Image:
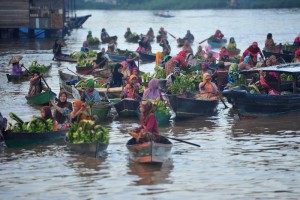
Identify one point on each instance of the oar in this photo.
(203, 41)
(221, 98)
(172, 36)
(26, 69)
(183, 141)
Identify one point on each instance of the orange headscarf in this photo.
(77, 103)
(208, 86)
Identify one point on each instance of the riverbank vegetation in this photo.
(187, 4)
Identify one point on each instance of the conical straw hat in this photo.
(15, 59)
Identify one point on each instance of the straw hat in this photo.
(15, 59)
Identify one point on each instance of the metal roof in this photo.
(288, 68)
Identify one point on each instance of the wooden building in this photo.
(49, 16)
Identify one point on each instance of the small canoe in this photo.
(96, 149)
(233, 52)
(191, 107)
(108, 39)
(101, 110)
(147, 57)
(25, 75)
(127, 107)
(150, 152)
(117, 57)
(216, 43)
(42, 98)
(78, 21)
(133, 38)
(65, 58)
(66, 81)
(86, 70)
(23, 139)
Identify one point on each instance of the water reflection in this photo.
(151, 174)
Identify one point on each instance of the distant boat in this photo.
(165, 14)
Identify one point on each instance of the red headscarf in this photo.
(182, 53)
(297, 53)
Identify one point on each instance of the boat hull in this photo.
(96, 149)
(216, 43)
(190, 107)
(127, 108)
(145, 57)
(24, 139)
(149, 152)
(42, 98)
(65, 58)
(258, 105)
(108, 39)
(101, 110)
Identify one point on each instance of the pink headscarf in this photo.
(152, 92)
(85, 43)
(182, 53)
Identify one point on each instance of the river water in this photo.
(238, 159)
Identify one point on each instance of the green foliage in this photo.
(35, 66)
(87, 132)
(161, 106)
(159, 72)
(93, 40)
(182, 85)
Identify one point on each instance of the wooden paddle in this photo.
(203, 41)
(183, 141)
(172, 36)
(221, 98)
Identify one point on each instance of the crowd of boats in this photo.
(188, 85)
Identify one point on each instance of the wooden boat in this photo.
(95, 149)
(191, 107)
(78, 21)
(216, 43)
(25, 75)
(42, 98)
(101, 110)
(150, 152)
(23, 139)
(65, 58)
(287, 57)
(233, 52)
(66, 81)
(127, 107)
(108, 39)
(159, 37)
(117, 57)
(258, 104)
(133, 38)
(180, 42)
(164, 14)
(114, 92)
(86, 70)
(274, 49)
(147, 57)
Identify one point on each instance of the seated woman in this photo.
(58, 44)
(187, 47)
(85, 47)
(204, 69)
(208, 89)
(135, 71)
(36, 84)
(270, 81)
(220, 76)
(244, 65)
(101, 60)
(218, 35)
(152, 92)
(140, 49)
(104, 34)
(63, 108)
(297, 41)
(200, 54)
(89, 35)
(176, 61)
(297, 56)
(131, 90)
(269, 42)
(90, 95)
(116, 77)
(148, 126)
(211, 59)
(125, 70)
(111, 46)
(150, 34)
(127, 33)
(47, 114)
(223, 56)
(130, 61)
(16, 67)
(232, 44)
(80, 112)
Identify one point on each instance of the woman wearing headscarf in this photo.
(63, 108)
(232, 44)
(125, 70)
(47, 114)
(152, 92)
(208, 89)
(220, 76)
(36, 84)
(90, 95)
(16, 67)
(244, 65)
(131, 90)
(297, 56)
(81, 111)
(176, 61)
(85, 47)
(252, 51)
(116, 78)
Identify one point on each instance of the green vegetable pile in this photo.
(82, 83)
(146, 77)
(86, 131)
(35, 66)
(83, 62)
(161, 106)
(286, 77)
(182, 85)
(93, 40)
(159, 72)
(133, 35)
(35, 125)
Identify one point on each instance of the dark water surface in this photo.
(238, 159)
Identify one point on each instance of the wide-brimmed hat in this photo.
(15, 59)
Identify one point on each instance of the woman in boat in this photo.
(36, 84)
(116, 78)
(81, 111)
(140, 49)
(146, 44)
(269, 42)
(233, 75)
(90, 95)
(85, 47)
(104, 34)
(218, 35)
(62, 111)
(89, 35)
(297, 56)
(211, 59)
(152, 92)
(232, 44)
(176, 61)
(127, 33)
(200, 54)
(204, 69)
(101, 60)
(220, 76)
(274, 60)
(135, 71)
(148, 123)
(187, 47)
(16, 67)
(189, 37)
(223, 55)
(130, 61)
(297, 41)
(57, 48)
(166, 48)
(111, 46)
(252, 51)
(131, 90)
(208, 89)
(163, 33)
(150, 34)
(244, 65)
(47, 114)
(3, 124)
(125, 70)
(269, 80)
